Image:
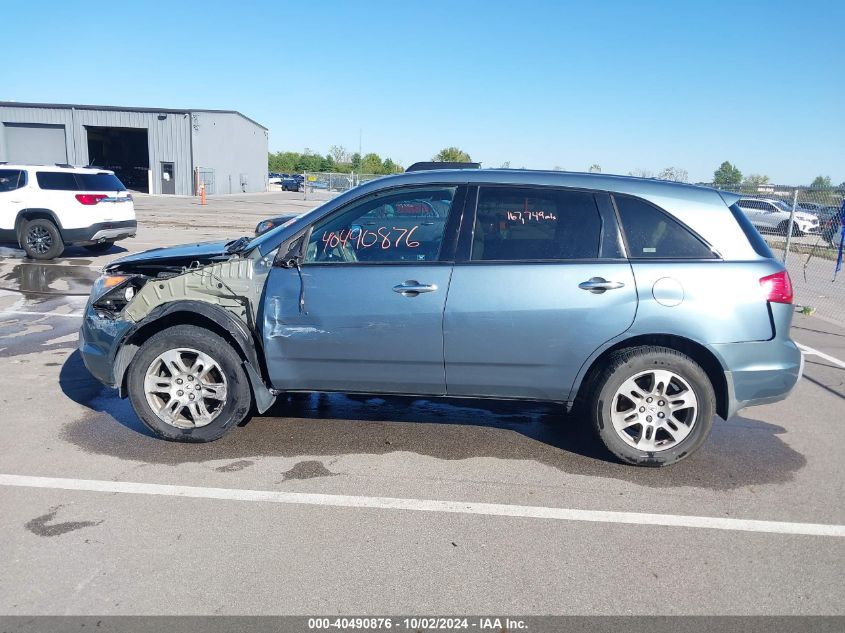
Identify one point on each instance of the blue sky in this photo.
(540, 84)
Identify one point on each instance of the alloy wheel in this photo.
(39, 239)
(185, 388)
(654, 410)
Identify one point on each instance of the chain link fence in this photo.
(324, 185)
(803, 227)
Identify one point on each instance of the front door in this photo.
(168, 178)
(12, 182)
(366, 312)
(543, 285)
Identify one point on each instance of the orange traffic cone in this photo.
(202, 193)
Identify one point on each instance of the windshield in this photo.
(780, 204)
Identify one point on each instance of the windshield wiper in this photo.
(238, 245)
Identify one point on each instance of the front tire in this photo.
(652, 406)
(187, 384)
(40, 238)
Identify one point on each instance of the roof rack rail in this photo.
(427, 165)
(64, 165)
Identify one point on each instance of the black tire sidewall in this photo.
(58, 245)
(623, 367)
(239, 395)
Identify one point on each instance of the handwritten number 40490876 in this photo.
(383, 237)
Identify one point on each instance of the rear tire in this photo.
(99, 247)
(40, 239)
(216, 369)
(652, 406)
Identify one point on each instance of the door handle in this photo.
(598, 285)
(412, 288)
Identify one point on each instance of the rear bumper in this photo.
(761, 372)
(101, 232)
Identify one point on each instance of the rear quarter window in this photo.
(754, 238)
(650, 233)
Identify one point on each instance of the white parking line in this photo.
(814, 352)
(73, 315)
(425, 505)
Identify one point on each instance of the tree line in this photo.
(337, 160)
(340, 160)
(729, 175)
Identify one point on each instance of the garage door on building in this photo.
(34, 143)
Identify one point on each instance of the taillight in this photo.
(90, 198)
(777, 288)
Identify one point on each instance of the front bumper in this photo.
(101, 232)
(99, 341)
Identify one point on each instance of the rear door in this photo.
(541, 282)
(365, 311)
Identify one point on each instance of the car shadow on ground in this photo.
(740, 452)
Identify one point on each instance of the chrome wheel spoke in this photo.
(173, 362)
(169, 409)
(158, 384)
(215, 391)
(199, 413)
(682, 400)
(662, 379)
(678, 430)
(645, 442)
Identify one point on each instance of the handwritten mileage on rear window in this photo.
(531, 216)
(383, 237)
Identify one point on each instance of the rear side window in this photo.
(754, 238)
(68, 181)
(56, 180)
(535, 224)
(11, 179)
(652, 234)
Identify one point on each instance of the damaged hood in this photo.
(174, 257)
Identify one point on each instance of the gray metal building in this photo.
(155, 150)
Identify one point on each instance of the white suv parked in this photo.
(773, 215)
(45, 208)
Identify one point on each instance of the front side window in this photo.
(650, 233)
(535, 224)
(11, 179)
(395, 226)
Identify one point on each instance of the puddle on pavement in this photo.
(741, 452)
(38, 279)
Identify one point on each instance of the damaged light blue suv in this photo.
(651, 306)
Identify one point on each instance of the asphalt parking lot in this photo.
(341, 504)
